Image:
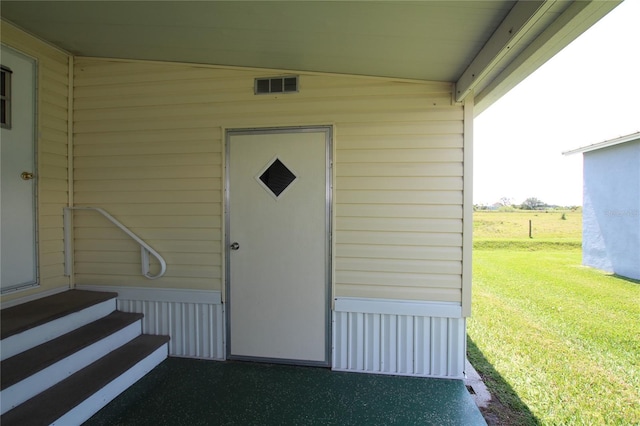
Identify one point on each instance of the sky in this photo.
(588, 93)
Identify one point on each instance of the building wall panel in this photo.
(148, 136)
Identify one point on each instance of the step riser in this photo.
(44, 379)
(21, 342)
(97, 401)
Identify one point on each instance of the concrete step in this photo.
(25, 326)
(33, 371)
(75, 399)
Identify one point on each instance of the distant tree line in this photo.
(531, 203)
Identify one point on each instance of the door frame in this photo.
(328, 131)
(34, 143)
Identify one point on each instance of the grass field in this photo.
(557, 343)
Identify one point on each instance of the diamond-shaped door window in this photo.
(277, 177)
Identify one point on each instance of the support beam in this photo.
(521, 20)
(572, 22)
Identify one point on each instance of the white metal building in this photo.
(611, 205)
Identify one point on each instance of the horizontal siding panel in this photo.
(55, 160)
(56, 105)
(399, 211)
(53, 185)
(398, 197)
(132, 269)
(418, 266)
(398, 224)
(47, 247)
(54, 221)
(148, 172)
(424, 239)
(52, 275)
(141, 222)
(139, 281)
(51, 171)
(133, 257)
(401, 128)
(52, 209)
(51, 258)
(395, 279)
(52, 122)
(401, 183)
(98, 199)
(90, 73)
(54, 147)
(150, 234)
(368, 169)
(50, 234)
(232, 105)
(121, 242)
(185, 137)
(125, 149)
(164, 209)
(398, 252)
(400, 141)
(217, 81)
(150, 160)
(430, 155)
(227, 91)
(137, 124)
(144, 185)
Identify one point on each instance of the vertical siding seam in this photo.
(70, 186)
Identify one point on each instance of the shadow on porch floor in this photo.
(195, 392)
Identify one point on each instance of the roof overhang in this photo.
(605, 144)
(484, 47)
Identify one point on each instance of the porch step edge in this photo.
(78, 397)
(19, 318)
(31, 372)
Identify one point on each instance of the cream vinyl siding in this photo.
(51, 148)
(148, 149)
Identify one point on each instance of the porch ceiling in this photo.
(485, 47)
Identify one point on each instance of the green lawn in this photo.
(558, 343)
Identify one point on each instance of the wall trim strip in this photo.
(398, 307)
(213, 297)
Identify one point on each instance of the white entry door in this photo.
(17, 171)
(278, 236)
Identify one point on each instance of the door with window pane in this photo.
(278, 236)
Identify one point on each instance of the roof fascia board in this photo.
(605, 144)
(575, 20)
(520, 20)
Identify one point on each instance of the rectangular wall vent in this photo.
(287, 84)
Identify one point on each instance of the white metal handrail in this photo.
(145, 249)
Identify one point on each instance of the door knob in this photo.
(26, 175)
(234, 246)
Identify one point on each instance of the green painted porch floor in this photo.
(195, 392)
